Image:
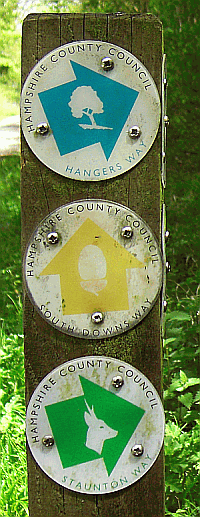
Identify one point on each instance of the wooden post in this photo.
(42, 191)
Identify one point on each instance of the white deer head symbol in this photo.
(98, 431)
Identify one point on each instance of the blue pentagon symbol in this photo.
(89, 110)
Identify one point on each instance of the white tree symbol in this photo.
(85, 101)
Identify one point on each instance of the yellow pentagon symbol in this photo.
(92, 268)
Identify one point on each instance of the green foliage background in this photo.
(9, 59)
(181, 24)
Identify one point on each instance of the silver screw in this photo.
(137, 450)
(48, 441)
(166, 120)
(42, 129)
(97, 317)
(167, 234)
(117, 381)
(168, 267)
(107, 64)
(134, 132)
(127, 232)
(53, 238)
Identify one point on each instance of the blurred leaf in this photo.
(183, 377)
(186, 400)
(179, 316)
(197, 396)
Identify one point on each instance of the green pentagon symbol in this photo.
(98, 424)
(94, 426)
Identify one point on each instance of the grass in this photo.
(12, 405)
(182, 386)
(14, 499)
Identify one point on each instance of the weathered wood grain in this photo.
(43, 191)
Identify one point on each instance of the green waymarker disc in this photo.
(95, 425)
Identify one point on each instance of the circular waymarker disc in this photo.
(90, 434)
(93, 268)
(88, 118)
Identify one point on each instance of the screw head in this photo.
(42, 129)
(137, 450)
(97, 317)
(117, 381)
(48, 441)
(134, 132)
(166, 120)
(168, 267)
(107, 64)
(127, 232)
(53, 238)
(167, 234)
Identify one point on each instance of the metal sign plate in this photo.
(95, 425)
(90, 110)
(93, 268)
